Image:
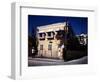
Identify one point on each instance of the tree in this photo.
(33, 43)
(70, 41)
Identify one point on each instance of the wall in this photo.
(53, 53)
(5, 39)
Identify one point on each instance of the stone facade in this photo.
(49, 45)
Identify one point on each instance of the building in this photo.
(83, 39)
(51, 40)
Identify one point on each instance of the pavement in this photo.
(47, 61)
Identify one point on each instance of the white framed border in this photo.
(20, 69)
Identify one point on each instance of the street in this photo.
(47, 62)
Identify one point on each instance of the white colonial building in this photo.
(50, 40)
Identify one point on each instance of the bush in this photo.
(73, 54)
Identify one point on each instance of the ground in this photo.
(47, 62)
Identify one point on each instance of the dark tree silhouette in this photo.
(72, 48)
(72, 40)
(32, 44)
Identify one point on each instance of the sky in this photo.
(79, 24)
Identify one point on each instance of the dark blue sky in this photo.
(79, 24)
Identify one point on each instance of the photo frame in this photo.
(19, 37)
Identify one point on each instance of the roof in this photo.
(52, 27)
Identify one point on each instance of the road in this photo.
(46, 61)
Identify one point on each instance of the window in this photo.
(42, 36)
(41, 47)
(49, 47)
(49, 33)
